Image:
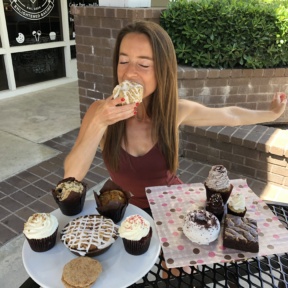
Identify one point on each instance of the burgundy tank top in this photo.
(136, 173)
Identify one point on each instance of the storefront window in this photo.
(33, 22)
(37, 66)
(73, 51)
(71, 17)
(3, 76)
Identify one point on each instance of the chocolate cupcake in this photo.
(112, 201)
(218, 182)
(70, 195)
(136, 234)
(40, 231)
(237, 205)
(215, 205)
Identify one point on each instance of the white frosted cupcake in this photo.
(237, 205)
(136, 234)
(40, 231)
(218, 182)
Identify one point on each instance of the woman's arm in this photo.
(195, 114)
(95, 122)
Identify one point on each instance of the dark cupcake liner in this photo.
(74, 203)
(240, 214)
(114, 211)
(42, 245)
(138, 247)
(217, 214)
(224, 194)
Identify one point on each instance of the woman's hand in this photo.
(109, 111)
(99, 116)
(278, 103)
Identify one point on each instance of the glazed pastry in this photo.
(132, 92)
(89, 235)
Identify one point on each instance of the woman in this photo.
(139, 141)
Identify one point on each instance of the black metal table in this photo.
(267, 271)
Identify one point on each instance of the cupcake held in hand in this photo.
(40, 231)
(237, 205)
(70, 195)
(218, 182)
(136, 234)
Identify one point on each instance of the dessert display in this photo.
(215, 205)
(70, 195)
(81, 272)
(89, 235)
(240, 233)
(201, 227)
(40, 231)
(132, 92)
(218, 182)
(112, 201)
(136, 234)
(237, 205)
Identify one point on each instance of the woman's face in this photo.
(136, 62)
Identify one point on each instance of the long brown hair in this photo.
(163, 104)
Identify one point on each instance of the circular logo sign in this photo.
(32, 9)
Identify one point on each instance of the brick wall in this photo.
(256, 151)
(244, 149)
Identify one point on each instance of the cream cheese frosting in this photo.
(134, 228)
(237, 202)
(217, 178)
(40, 225)
(132, 92)
(201, 227)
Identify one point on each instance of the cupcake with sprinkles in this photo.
(136, 233)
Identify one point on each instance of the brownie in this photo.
(240, 233)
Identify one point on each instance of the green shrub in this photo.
(228, 34)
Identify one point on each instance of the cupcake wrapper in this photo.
(74, 203)
(240, 214)
(42, 245)
(224, 194)
(138, 247)
(218, 215)
(114, 211)
(116, 215)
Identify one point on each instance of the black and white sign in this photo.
(33, 9)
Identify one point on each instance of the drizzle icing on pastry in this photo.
(88, 233)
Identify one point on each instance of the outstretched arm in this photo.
(195, 114)
(99, 116)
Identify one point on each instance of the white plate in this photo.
(120, 269)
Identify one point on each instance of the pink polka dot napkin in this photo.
(169, 205)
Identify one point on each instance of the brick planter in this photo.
(255, 151)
